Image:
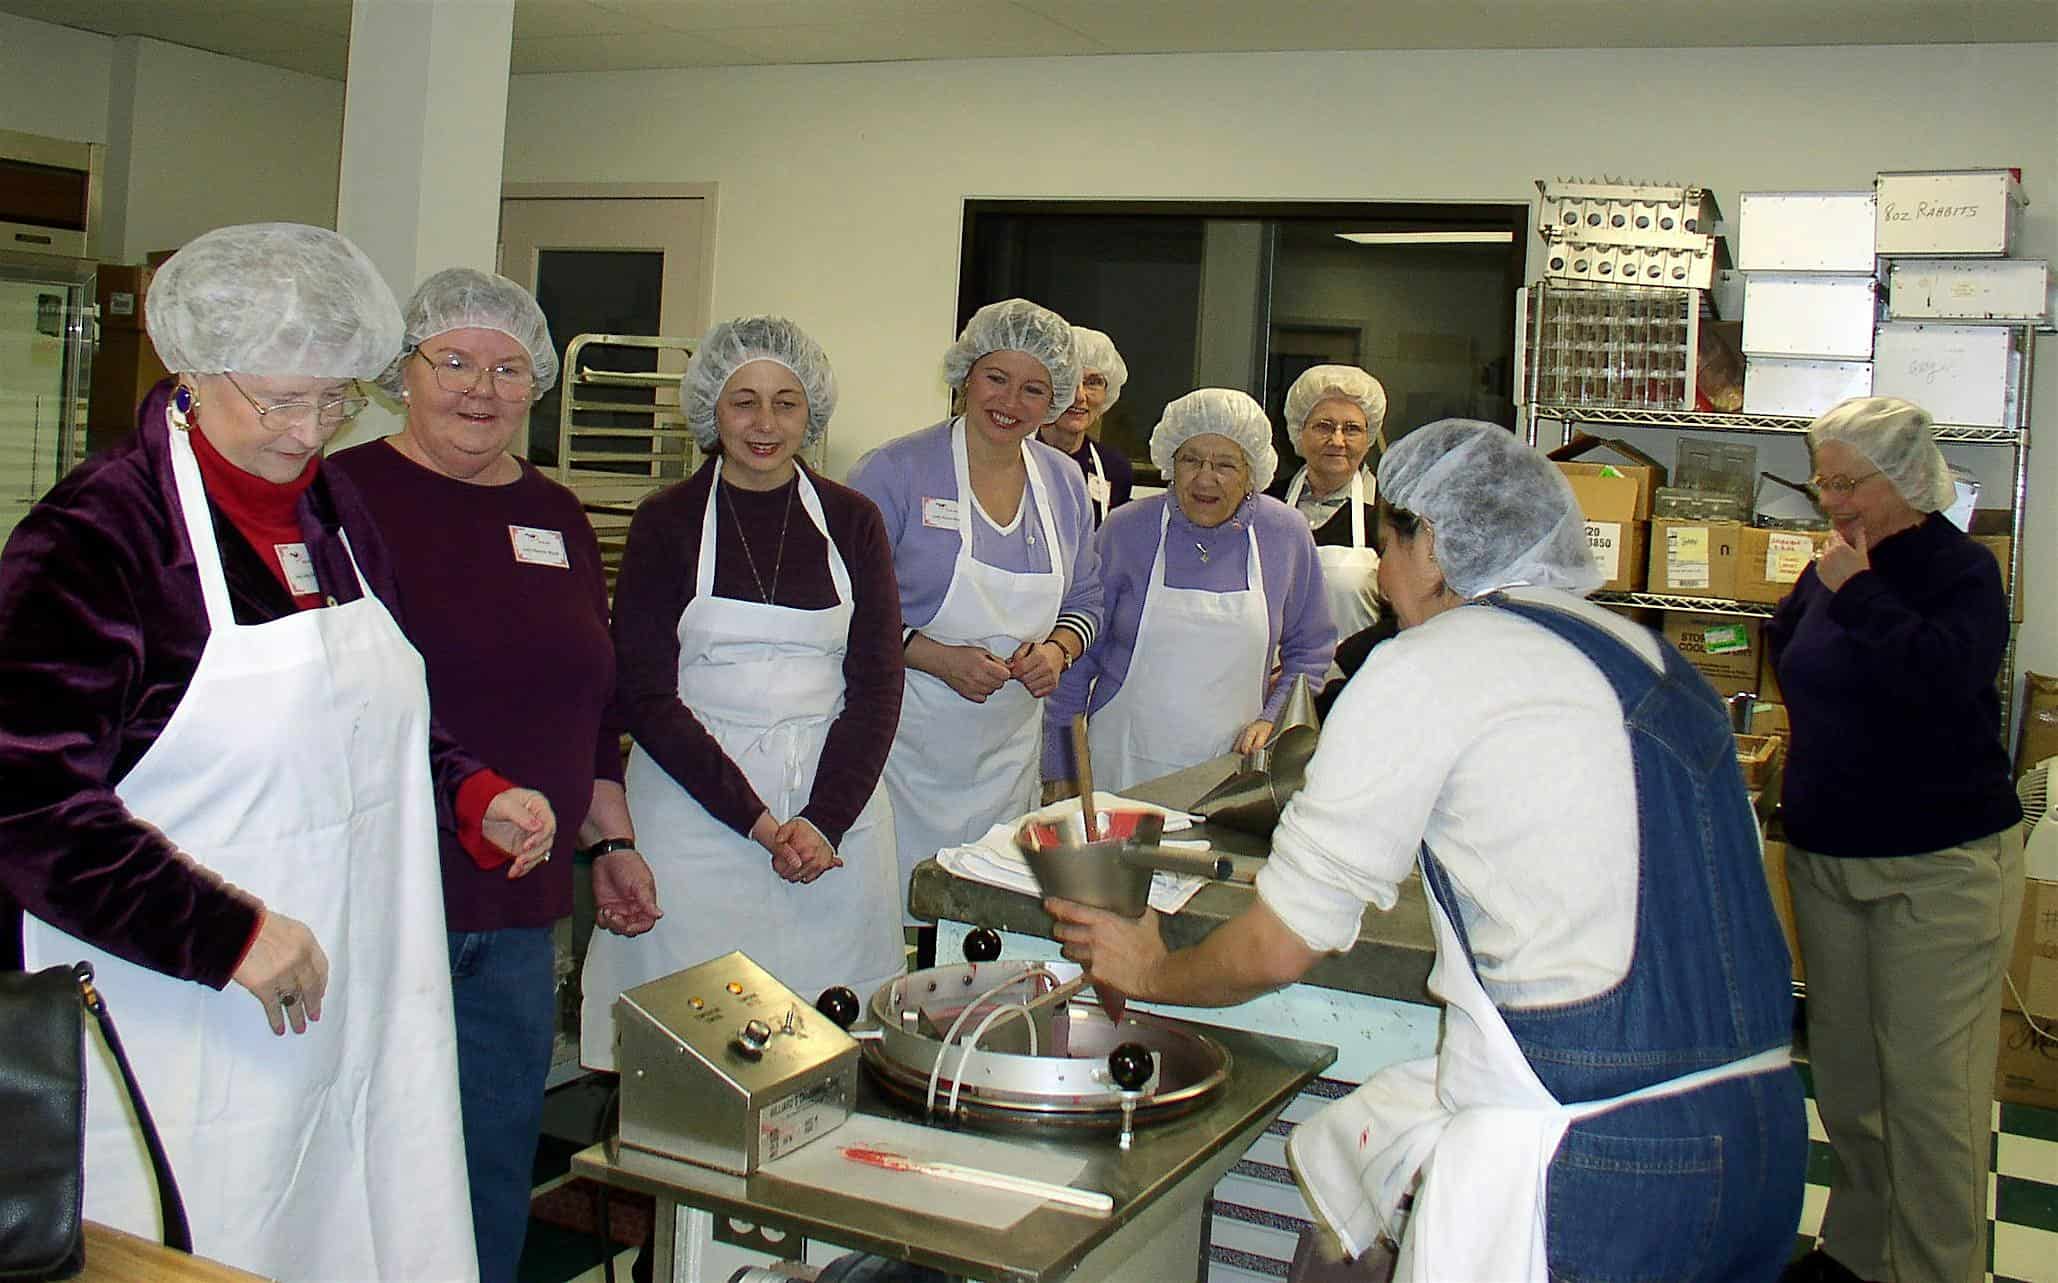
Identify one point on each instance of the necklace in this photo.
(779, 559)
(1202, 549)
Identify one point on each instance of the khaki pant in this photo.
(1905, 958)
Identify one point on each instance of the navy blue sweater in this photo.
(1890, 688)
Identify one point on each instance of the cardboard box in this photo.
(2027, 1071)
(1627, 461)
(1725, 648)
(119, 291)
(1614, 533)
(1769, 561)
(1768, 684)
(1694, 558)
(2039, 721)
(2033, 967)
(1783, 901)
(1769, 718)
(124, 370)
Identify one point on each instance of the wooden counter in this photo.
(114, 1256)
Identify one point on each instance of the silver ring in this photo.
(288, 998)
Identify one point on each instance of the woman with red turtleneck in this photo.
(220, 766)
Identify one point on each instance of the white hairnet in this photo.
(1097, 352)
(1226, 413)
(465, 298)
(1333, 383)
(273, 298)
(1894, 437)
(1503, 514)
(1017, 325)
(734, 344)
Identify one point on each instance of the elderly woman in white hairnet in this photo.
(1102, 372)
(999, 582)
(221, 766)
(476, 533)
(1905, 858)
(1612, 1096)
(1334, 413)
(757, 626)
(1211, 587)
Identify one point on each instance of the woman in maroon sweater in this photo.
(503, 593)
(757, 634)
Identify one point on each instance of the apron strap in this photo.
(207, 555)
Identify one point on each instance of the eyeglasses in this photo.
(1224, 465)
(288, 416)
(1838, 485)
(457, 374)
(1325, 428)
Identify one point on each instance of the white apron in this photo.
(766, 681)
(959, 768)
(1475, 1124)
(1098, 491)
(1349, 579)
(1196, 676)
(295, 767)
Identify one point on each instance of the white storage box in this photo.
(1782, 385)
(1810, 315)
(1951, 211)
(1961, 374)
(1951, 289)
(1806, 231)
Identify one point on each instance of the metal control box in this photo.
(1806, 231)
(2005, 290)
(1782, 385)
(1967, 375)
(1932, 213)
(1811, 315)
(724, 1067)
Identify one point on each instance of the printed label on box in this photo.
(1786, 556)
(1725, 639)
(1686, 556)
(1604, 541)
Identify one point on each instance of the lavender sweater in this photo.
(1301, 635)
(900, 474)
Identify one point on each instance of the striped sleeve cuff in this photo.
(1078, 623)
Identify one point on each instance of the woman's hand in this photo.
(286, 971)
(1840, 561)
(972, 671)
(1253, 737)
(519, 821)
(801, 841)
(625, 893)
(1120, 953)
(1038, 665)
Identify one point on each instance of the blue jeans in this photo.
(503, 990)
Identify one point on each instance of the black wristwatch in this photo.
(608, 846)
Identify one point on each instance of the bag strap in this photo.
(177, 1234)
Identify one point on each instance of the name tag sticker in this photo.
(1097, 489)
(299, 568)
(534, 547)
(941, 514)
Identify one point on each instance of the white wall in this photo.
(218, 140)
(841, 187)
(53, 80)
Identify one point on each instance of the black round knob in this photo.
(1130, 1065)
(840, 1004)
(982, 944)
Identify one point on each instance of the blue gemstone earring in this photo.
(181, 405)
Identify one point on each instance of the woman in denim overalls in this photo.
(1612, 1097)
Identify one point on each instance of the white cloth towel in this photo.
(994, 861)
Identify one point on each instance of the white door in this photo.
(42, 384)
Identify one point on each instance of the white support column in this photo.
(424, 126)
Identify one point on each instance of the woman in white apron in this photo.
(1612, 1096)
(1204, 586)
(1102, 372)
(758, 639)
(252, 761)
(1334, 413)
(999, 583)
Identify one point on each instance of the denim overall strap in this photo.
(1709, 976)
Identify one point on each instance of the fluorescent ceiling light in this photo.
(1429, 238)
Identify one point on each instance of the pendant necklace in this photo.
(1202, 549)
(778, 559)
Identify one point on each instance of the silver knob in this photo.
(752, 1038)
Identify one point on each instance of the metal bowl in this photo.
(1069, 867)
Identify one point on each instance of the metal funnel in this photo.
(1251, 800)
(1299, 709)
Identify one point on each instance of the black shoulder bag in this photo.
(43, 1105)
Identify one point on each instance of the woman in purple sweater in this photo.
(500, 579)
(757, 628)
(1207, 587)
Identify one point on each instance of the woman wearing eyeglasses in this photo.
(1335, 412)
(1209, 588)
(221, 766)
(504, 595)
(1904, 847)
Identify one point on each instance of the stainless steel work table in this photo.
(1160, 1187)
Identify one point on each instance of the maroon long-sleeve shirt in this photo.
(656, 582)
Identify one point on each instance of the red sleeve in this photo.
(473, 797)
